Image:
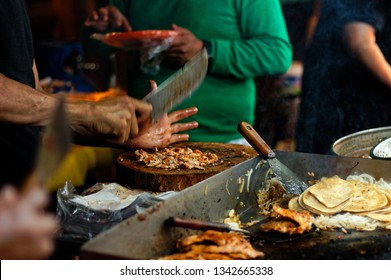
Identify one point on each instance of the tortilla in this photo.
(380, 217)
(367, 198)
(332, 191)
(308, 201)
(293, 204)
(384, 210)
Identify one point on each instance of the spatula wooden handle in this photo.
(255, 140)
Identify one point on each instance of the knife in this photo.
(179, 86)
(56, 142)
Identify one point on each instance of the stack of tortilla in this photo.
(334, 195)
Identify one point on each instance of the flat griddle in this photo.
(145, 236)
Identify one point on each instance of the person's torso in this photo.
(18, 144)
(327, 57)
(222, 101)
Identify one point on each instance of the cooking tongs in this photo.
(289, 180)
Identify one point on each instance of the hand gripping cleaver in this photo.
(178, 86)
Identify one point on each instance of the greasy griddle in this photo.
(145, 236)
(135, 174)
(324, 245)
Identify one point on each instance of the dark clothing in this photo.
(18, 144)
(297, 14)
(339, 95)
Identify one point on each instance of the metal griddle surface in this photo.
(326, 245)
(146, 237)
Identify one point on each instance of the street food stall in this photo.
(147, 235)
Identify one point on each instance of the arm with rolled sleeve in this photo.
(265, 48)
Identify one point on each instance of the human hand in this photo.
(184, 46)
(107, 17)
(114, 119)
(26, 231)
(165, 131)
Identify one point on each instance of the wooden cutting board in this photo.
(134, 174)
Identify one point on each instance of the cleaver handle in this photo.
(256, 141)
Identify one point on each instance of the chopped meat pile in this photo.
(297, 223)
(214, 245)
(176, 158)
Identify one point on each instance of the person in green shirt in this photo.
(244, 39)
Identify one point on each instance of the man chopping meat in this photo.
(24, 108)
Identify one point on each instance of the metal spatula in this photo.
(289, 180)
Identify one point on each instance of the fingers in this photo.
(143, 109)
(108, 16)
(118, 20)
(183, 37)
(99, 17)
(179, 127)
(134, 129)
(140, 112)
(125, 25)
(152, 86)
(102, 14)
(8, 197)
(179, 29)
(184, 46)
(42, 225)
(32, 217)
(178, 138)
(36, 199)
(182, 114)
(129, 113)
(92, 19)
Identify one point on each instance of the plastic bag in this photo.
(150, 43)
(85, 216)
(152, 54)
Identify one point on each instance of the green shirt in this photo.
(248, 39)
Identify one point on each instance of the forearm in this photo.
(251, 58)
(262, 48)
(372, 57)
(21, 104)
(361, 43)
(113, 120)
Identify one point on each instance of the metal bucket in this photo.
(359, 144)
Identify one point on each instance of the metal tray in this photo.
(145, 236)
(360, 143)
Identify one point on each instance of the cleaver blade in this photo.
(179, 86)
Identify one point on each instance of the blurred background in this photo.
(56, 26)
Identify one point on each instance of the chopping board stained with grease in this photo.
(134, 174)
